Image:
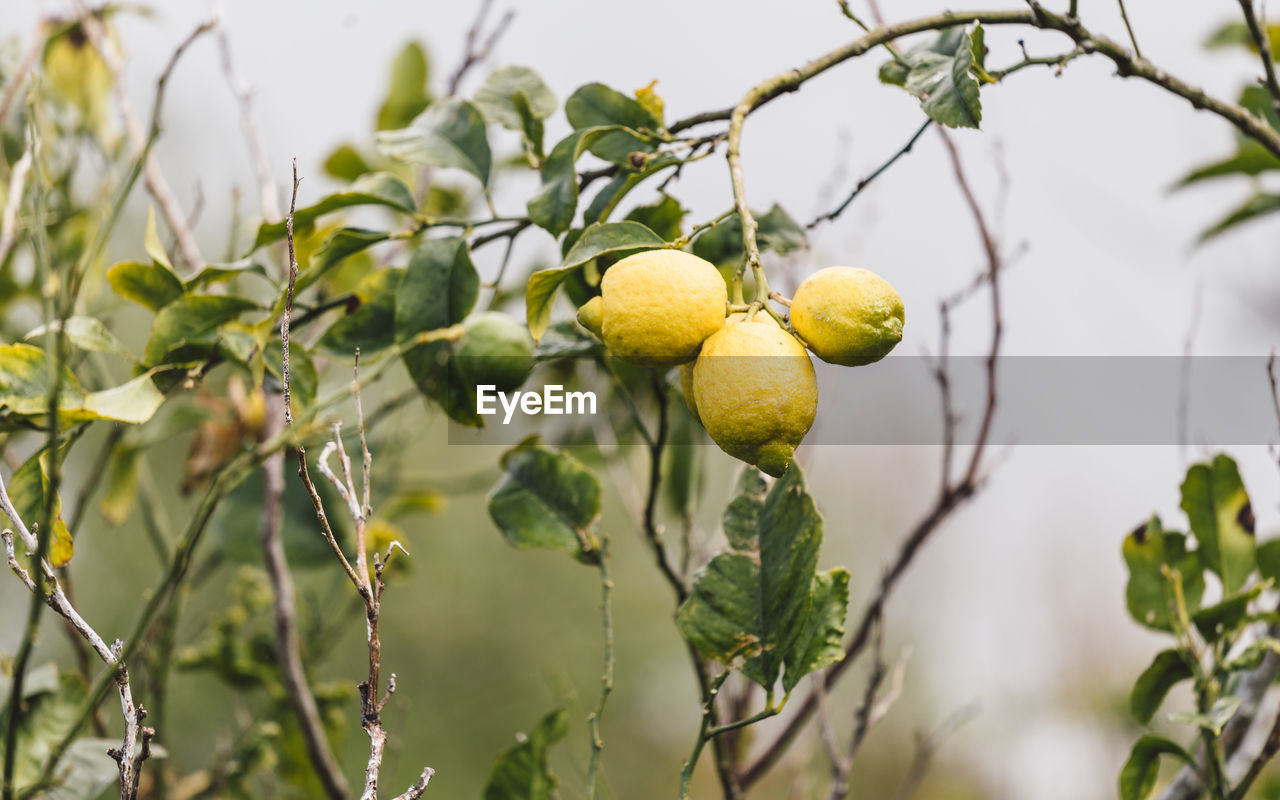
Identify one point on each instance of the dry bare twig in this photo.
(268, 197)
(136, 745)
(369, 583)
(270, 537)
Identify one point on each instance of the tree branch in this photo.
(156, 182)
(1262, 41)
(268, 199)
(270, 536)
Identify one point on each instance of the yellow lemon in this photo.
(755, 392)
(686, 388)
(657, 307)
(848, 316)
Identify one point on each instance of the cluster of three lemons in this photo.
(747, 379)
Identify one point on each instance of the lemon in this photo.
(686, 388)
(657, 307)
(495, 350)
(755, 391)
(848, 316)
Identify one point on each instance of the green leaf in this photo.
(1214, 498)
(1260, 205)
(221, 273)
(540, 295)
(821, 641)
(940, 73)
(496, 97)
(152, 243)
(1168, 669)
(371, 327)
(407, 95)
(1269, 560)
(1250, 159)
(750, 611)
(946, 42)
(1138, 777)
(546, 499)
(449, 134)
(522, 772)
(24, 382)
(438, 289)
(566, 340)
(27, 488)
(1148, 594)
(239, 518)
(611, 237)
(947, 90)
(608, 198)
(346, 164)
(342, 243)
(596, 105)
(532, 132)
(50, 713)
(86, 333)
(1213, 720)
(777, 232)
(304, 380)
(1227, 615)
(1236, 34)
(132, 403)
(556, 203)
(189, 319)
(120, 491)
(373, 189)
(665, 217)
(145, 284)
(86, 770)
(741, 519)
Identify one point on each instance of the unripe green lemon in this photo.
(756, 392)
(848, 316)
(496, 350)
(657, 307)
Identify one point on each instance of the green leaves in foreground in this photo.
(25, 390)
(439, 289)
(546, 499)
(1215, 501)
(522, 772)
(944, 74)
(763, 607)
(1138, 777)
(1166, 587)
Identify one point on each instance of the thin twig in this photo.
(475, 52)
(862, 184)
(132, 752)
(156, 182)
(862, 717)
(1124, 14)
(927, 747)
(271, 537)
(1262, 40)
(18, 79)
(606, 678)
(268, 197)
